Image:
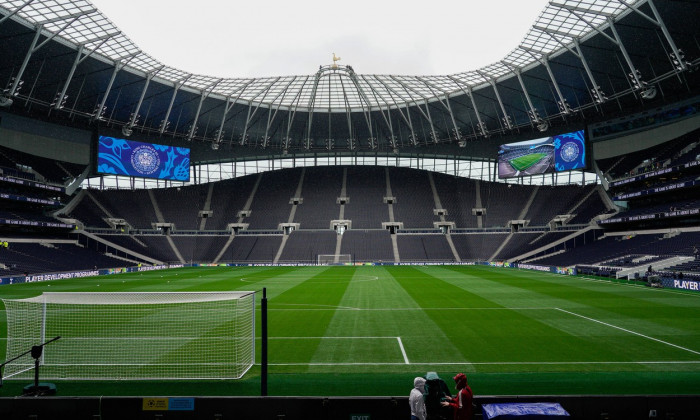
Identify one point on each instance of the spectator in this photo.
(415, 399)
(462, 403)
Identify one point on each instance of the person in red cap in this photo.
(462, 403)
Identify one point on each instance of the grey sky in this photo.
(227, 38)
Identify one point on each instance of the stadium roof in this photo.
(581, 60)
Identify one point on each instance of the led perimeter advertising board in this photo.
(117, 156)
(563, 152)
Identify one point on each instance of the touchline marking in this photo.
(629, 331)
(323, 307)
(326, 337)
(333, 308)
(403, 351)
(647, 362)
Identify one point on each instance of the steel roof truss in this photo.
(290, 119)
(14, 12)
(563, 104)
(446, 106)
(135, 114)
(407, 118)
(59, 100)
(425, 114)
(387, 121)
(364, 101)
(31, 50)
(270, 115)
(534, 115)
(506, 118)
(250, 104)
(118, 66)
(203, 96)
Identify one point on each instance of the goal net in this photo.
(331, 259)
(133, 336)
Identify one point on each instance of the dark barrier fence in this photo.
(331, 408)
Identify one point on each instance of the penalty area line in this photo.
(629, 331)
(403, 351)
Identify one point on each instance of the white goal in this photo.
(334, 259)
(133, 336)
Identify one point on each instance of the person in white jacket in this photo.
(416, 401)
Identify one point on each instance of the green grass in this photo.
(523, 162)
(371, 330)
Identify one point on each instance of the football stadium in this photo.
(175, 245)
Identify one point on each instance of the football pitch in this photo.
(523, 162)
(367, 330)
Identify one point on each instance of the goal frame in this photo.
(213, 339)
(334, 259)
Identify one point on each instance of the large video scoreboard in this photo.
(117, 156)
(563, 152)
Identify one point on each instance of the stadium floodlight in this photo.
(134, 336)
(649, 92)
(5, 101)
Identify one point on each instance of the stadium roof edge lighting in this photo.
(334, 88)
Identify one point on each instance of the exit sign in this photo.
(359, 417)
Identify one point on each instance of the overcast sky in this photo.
(234, 38)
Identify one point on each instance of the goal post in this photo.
(334, 259)
(132, 335)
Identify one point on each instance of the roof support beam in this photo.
(312, 101)
(250, 104)
(99, 111)
(480, 123)
(534, 115)
(445, 104)
(290, 116)
(227, 107)
(634, 74)
(506, 118)
(126, 130)
(406, 118)
(426, 113)
(578, 9)
(564, 107)
(365, 101)
(385, 114)
(32, 48)
(164, 123)
(598, 95)
(14, 12)
(657, 21)
(270, 115)
(72, 17)
(62, 95)
(203, 96)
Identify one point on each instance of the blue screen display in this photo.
(563, 152)
(132, 158)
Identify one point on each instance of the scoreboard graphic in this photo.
(563, 152)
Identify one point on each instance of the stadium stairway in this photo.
(656, 266)
(120, 248)
(523, 257)
(207, 206)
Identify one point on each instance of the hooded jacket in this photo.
(415, 399)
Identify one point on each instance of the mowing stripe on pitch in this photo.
(629, 331)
